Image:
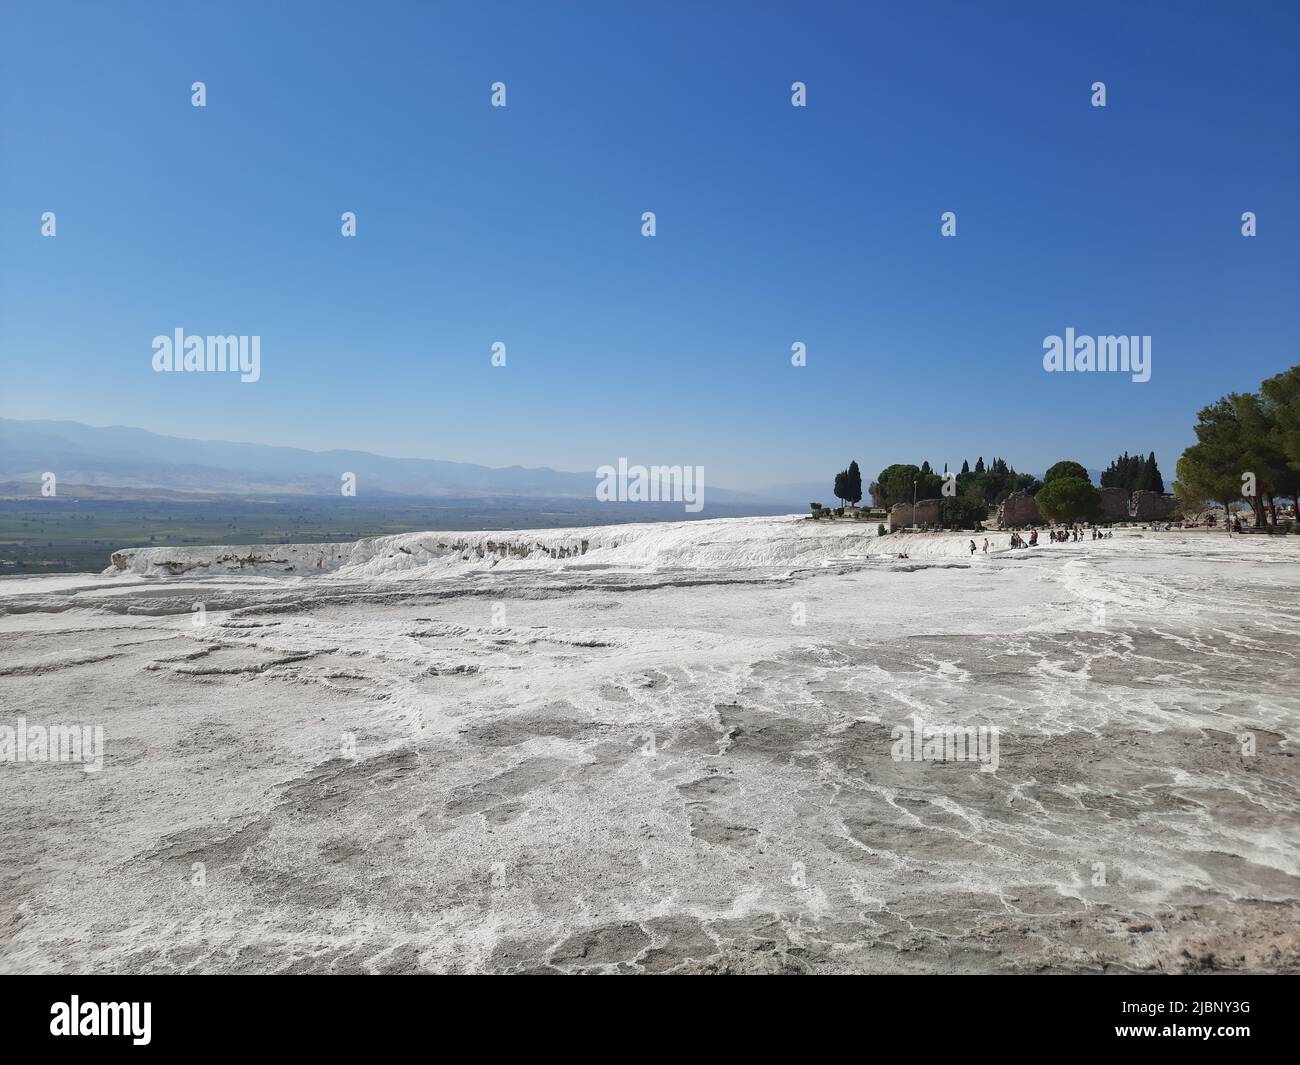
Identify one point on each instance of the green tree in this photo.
(1150, 479)
(1066, 468)
(854, 483)
(1122, 473)
(1281, 396)
(1197, 485)
(963, 511)
(895, 483)
(1244, 439)
(1069, 499)
(1211, 468)
(1260, 454)
(1020, 482)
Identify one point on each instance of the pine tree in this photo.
(979, 464)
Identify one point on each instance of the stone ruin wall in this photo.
(928, 512)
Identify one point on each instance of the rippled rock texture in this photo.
(663, 751)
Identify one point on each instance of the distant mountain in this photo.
(799, 495)
(141, 461)
(29, 490)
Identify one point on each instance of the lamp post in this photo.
(913, 506)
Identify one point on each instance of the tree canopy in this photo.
(848, 484)
(988, 484)
(1069, 499)
(1133, 473)
(1066, 468)
(1281, 398)
(1247, 445)
(1244, 442)
(895, 485)
(963, 511)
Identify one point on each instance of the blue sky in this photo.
(775, 225)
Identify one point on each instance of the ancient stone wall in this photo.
(928, 512)
(1114, 504)
(1018, 509)
(1152, 506)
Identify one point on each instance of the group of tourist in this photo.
(1060, 536)
(1073, 534)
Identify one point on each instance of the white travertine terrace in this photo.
(505, 752)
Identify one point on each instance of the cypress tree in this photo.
(1156, 482)
(853, 483)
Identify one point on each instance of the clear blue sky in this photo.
(775, 224)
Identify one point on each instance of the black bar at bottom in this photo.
(1221, 1014)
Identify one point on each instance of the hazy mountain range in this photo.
(141, 464)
